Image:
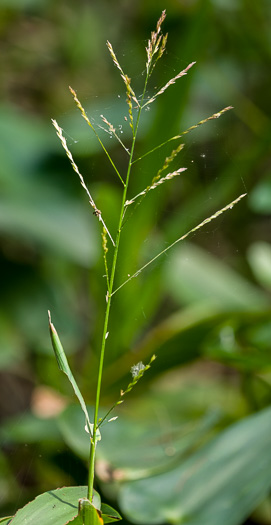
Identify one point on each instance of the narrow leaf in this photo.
(88, 514)
(109, 515)
(64, 367)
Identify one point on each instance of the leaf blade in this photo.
(55, 507)
(64, 367)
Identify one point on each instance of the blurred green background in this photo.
(204, 309)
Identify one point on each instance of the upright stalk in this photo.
(108, 306)
(155, 49)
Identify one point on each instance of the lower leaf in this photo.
(55, 507)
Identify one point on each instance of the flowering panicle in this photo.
(154, 46)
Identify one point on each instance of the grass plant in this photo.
(90, 509)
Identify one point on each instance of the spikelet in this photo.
(79, 105)
(111, 128)
(137, 372)
(105, 250)
(124, 77)
(155, 183)
(154, 44)
(169, 159)
(63, 141)
(212, 117)
(129, 101)
(169, 83)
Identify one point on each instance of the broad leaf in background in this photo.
(259, 258)
(45, 220)
(193, 275)
(260, 197)
(32, 209)
(221, 483)
(10, 342)
(183, 410)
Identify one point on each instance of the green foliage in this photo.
(222, 482)
(59, 506)
(213, 328)
(64, 367)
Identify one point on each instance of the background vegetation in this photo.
(204, 309)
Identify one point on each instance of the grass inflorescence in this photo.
(154, 51)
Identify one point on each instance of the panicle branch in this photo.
(169, 159)
(111, 130)
(176, 137)
(169, 83)
(137, 372)
(156, 181)
(63, 141)
(205, 221)
(155, 184)
(124, 77)
(212, 117)
(84, 115)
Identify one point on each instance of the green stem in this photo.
(107, 311)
